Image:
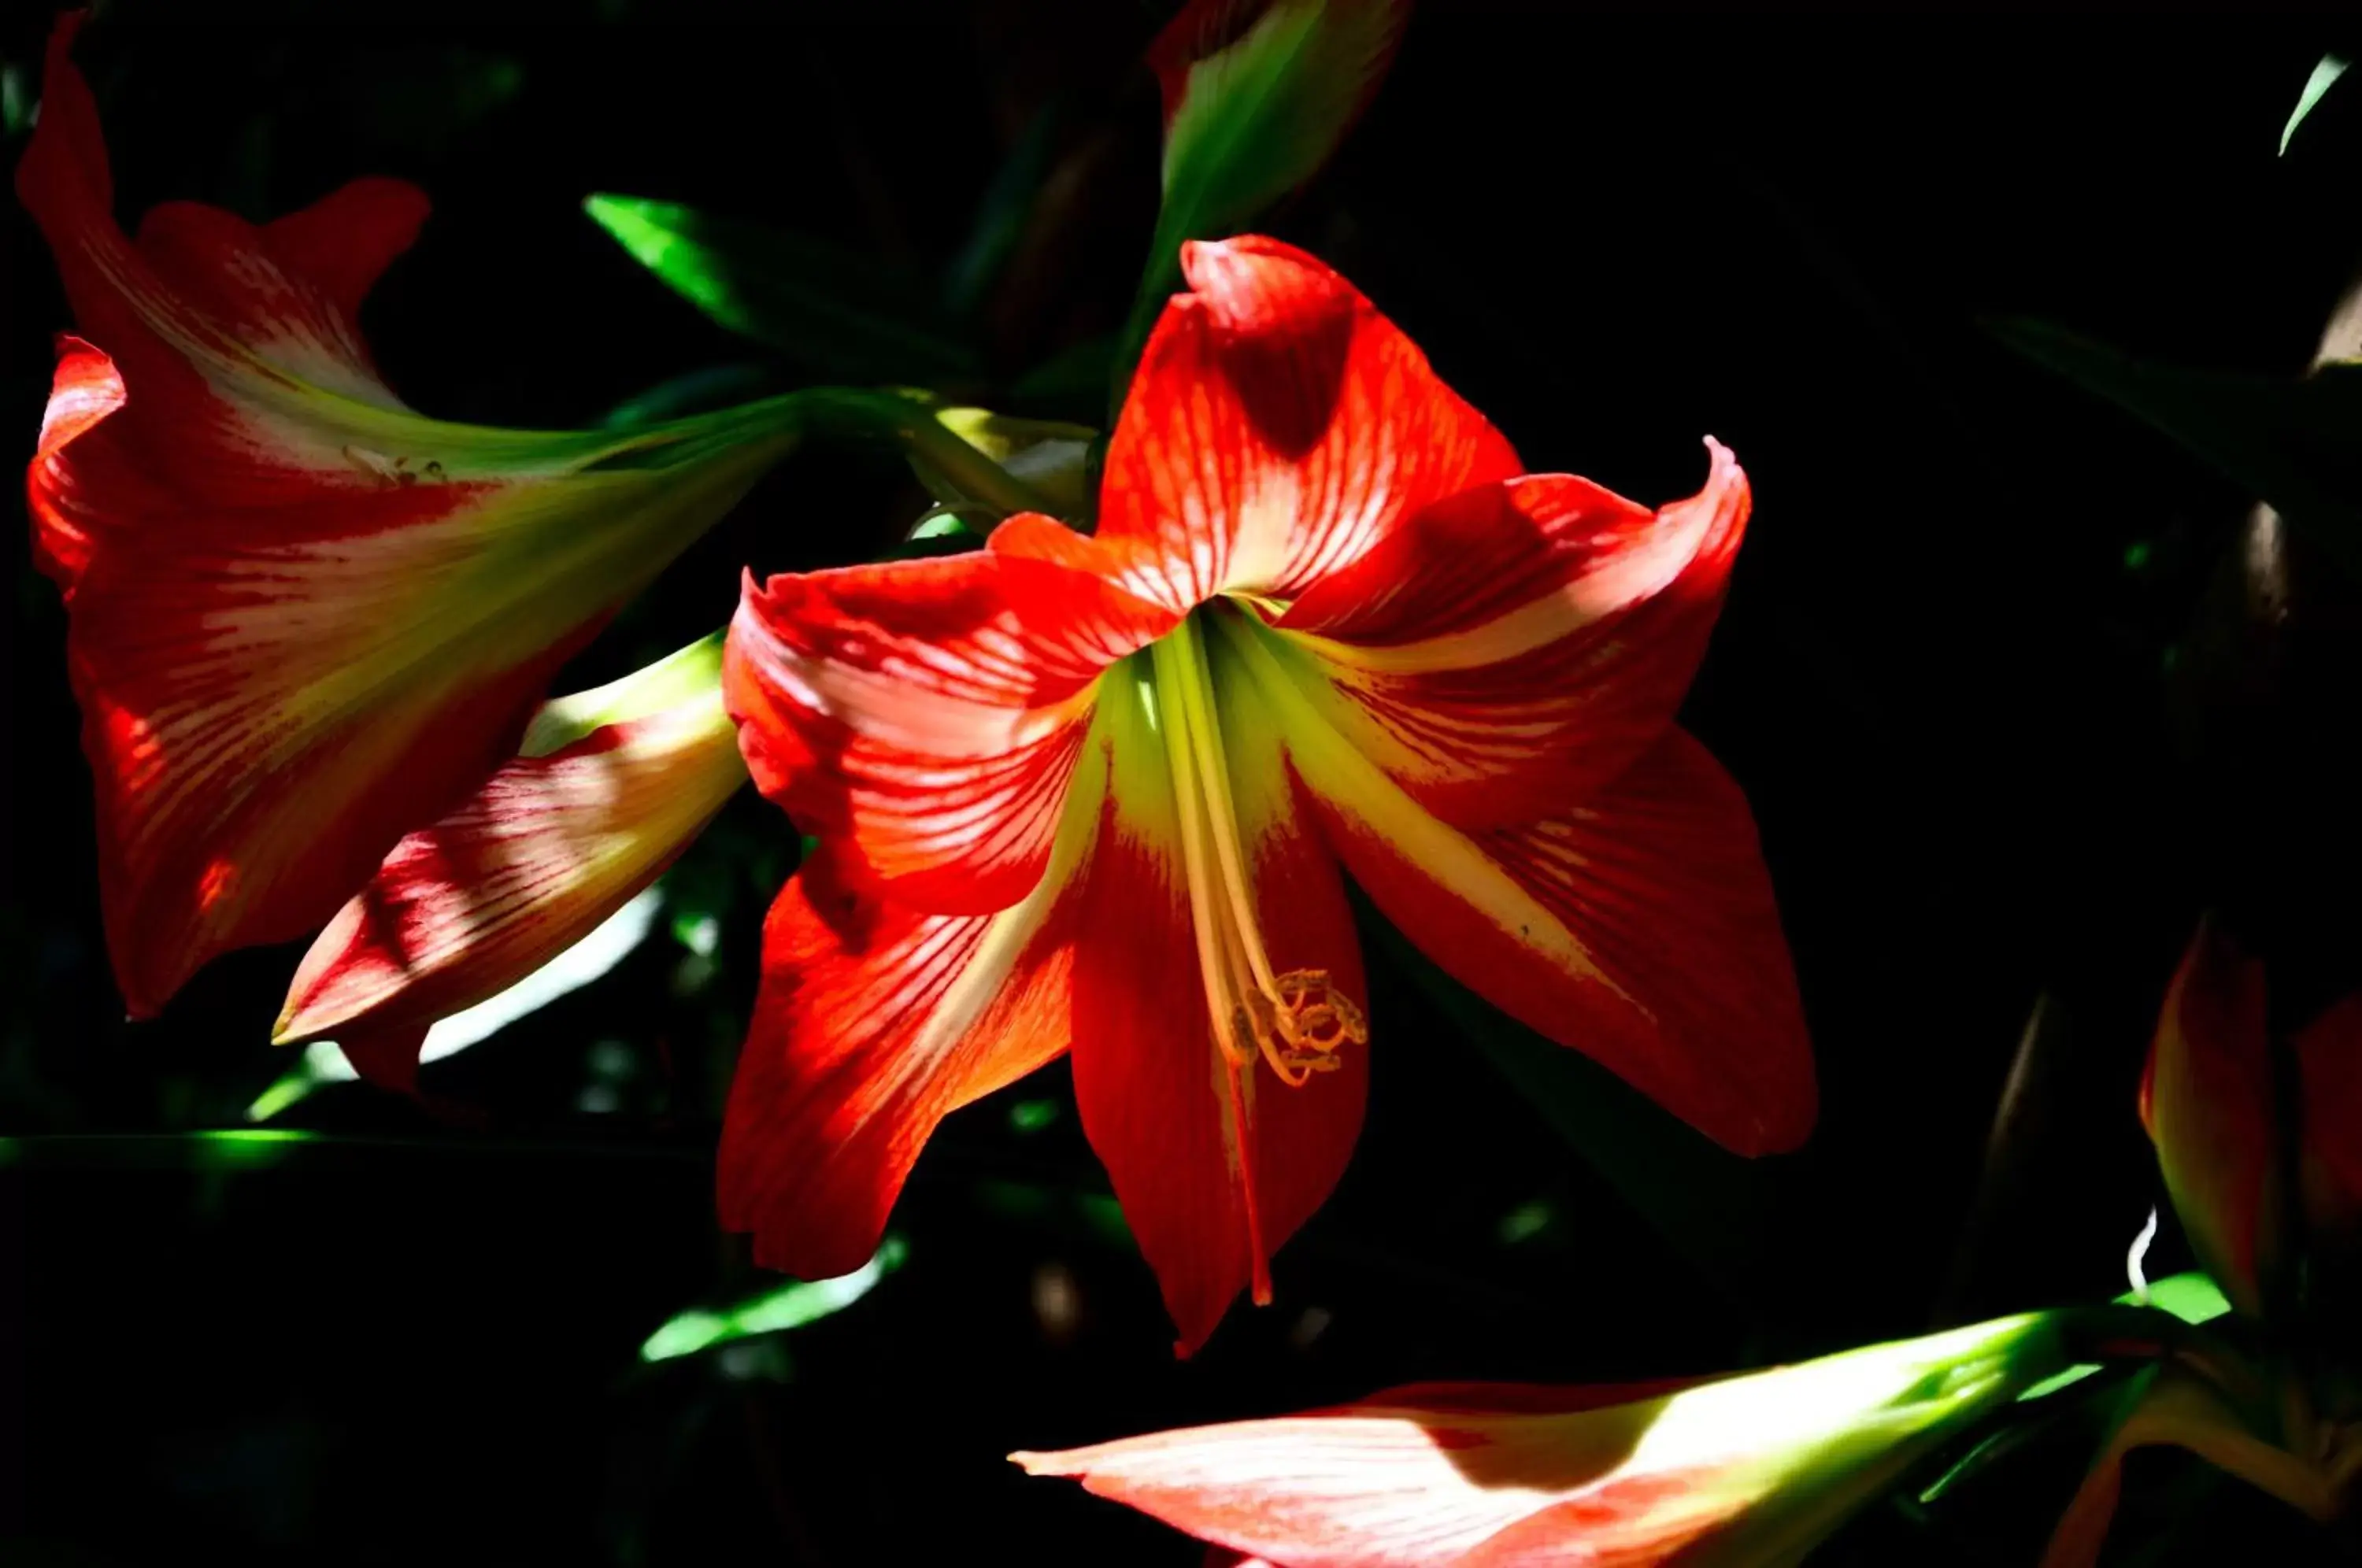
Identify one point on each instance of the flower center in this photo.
(1295, 1019)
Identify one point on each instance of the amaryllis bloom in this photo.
(304, 619)
(2210, 1103)
(1748, 1471)
(1095, 791)
(611, 786)
(2206, 1099)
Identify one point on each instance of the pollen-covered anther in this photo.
(1302, 1023)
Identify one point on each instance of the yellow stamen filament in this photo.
(1296, 1020)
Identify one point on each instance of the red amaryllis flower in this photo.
(2209, 1100)
(1748, 1471)
(1095, 791)
(611, 786)
(304, 619)
(2206, 1100)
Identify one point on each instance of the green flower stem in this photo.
(911, 424)
(763, 429)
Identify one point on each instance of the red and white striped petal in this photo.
(1510, 651)
(1278, 430)
(1215, 1161)
(875, 1021)
(304, 620)
(1754, 1469)
(930, 710)
(1640, 929)
(551, 846)
(214, 321)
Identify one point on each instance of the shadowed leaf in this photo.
(1714, 1209)
(2296, 444)
(838, 312)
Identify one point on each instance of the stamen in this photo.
(1296, 1021)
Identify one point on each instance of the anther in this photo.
(1302, 1024)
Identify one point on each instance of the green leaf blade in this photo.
(837, 312)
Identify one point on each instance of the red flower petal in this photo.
(203, 291)
(874, 1022)
(1278, 428)
(1640, 929)
(1377, 1485)
(2206, 1099)
(1751, 1468)
(1216, 1165)
(1511, 650)
(549, 847)
(86, 391)
(930, 709)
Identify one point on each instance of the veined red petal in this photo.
(550, 847)
(1640, 929)
(1510, 651)
(304, 620)
(1216, 1162)
(87, 389)
(930, 710)
(1277, 430)
(342, 243)
(874, 1022)
(2206, 1099)
(205, 307)
(1756, 1468)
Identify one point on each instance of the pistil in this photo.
(1294, 1019)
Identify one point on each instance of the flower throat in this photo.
(1295, 1019)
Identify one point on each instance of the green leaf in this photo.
(1257, 94)
(774, 1311)
(2325, 76)
(837, 312)
(2193, 1297)
(2295, 442)
(1075, 378)
(1000, 218)
(1713, 1208)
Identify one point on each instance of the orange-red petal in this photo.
(930, 711)
(543, 852)
(1640, 929)
(1510, 651)
(1277, 430)
(874, 1022)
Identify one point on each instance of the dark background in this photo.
(1987, 674)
